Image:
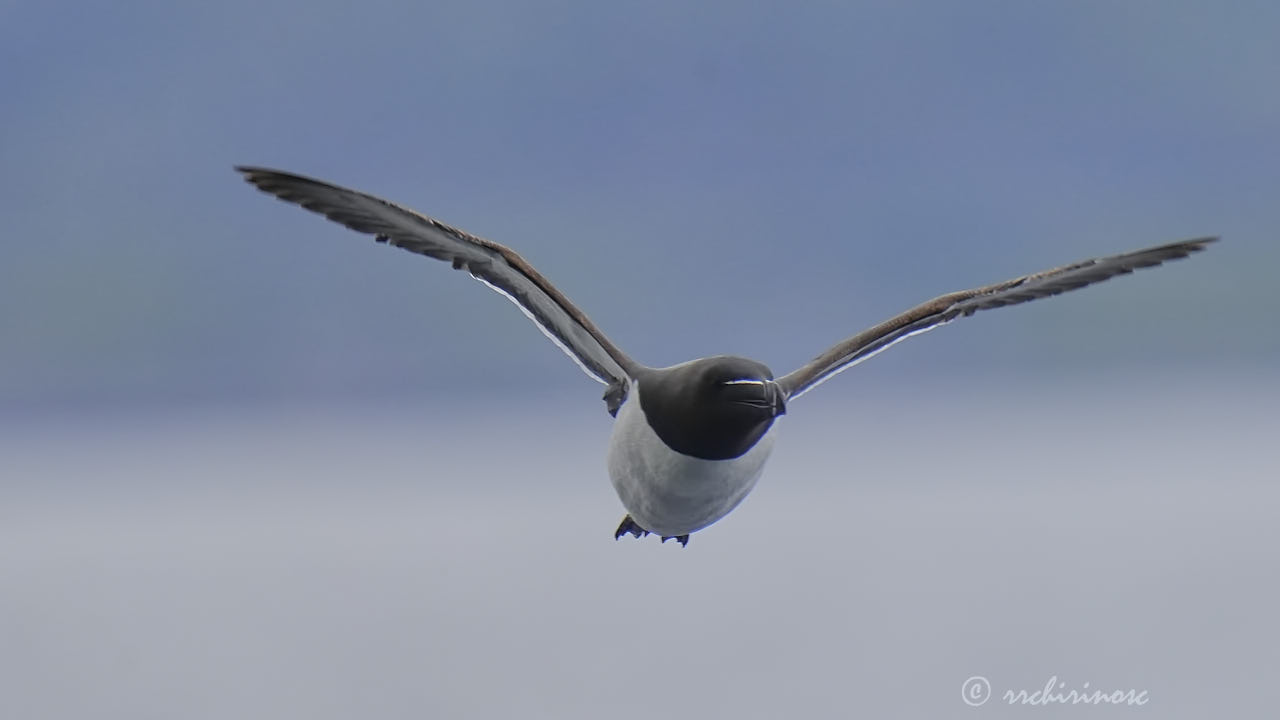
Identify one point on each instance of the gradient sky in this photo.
(253, 465)
(459, 563)
(755, 179)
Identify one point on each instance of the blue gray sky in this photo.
(408, 562)
(253, 465)
(756, 179)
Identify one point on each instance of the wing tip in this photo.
(1195, 245)
(249, 171)
(262, 177)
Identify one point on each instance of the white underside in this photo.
(668, 493)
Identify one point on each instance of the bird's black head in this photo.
(715, 408)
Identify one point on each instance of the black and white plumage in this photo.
(690, 440)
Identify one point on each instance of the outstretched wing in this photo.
(942, 310)
(494, 265)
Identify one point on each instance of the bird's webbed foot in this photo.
(629, 526)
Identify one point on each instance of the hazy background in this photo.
(252, 465)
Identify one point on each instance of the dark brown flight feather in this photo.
(946, 308)
(496, 265)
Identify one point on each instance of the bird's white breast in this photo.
(669, 493)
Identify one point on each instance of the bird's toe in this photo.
(629, 527)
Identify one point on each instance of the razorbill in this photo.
(689, 441)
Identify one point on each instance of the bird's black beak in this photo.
(764, 395)
(777, 398)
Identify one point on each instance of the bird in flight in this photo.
(689, 441)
